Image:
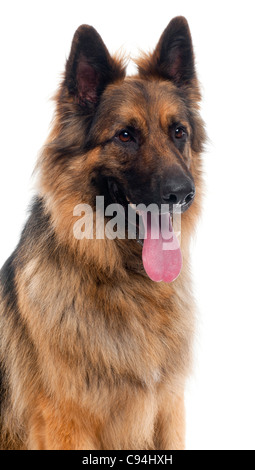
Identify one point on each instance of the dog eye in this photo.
(125, 136)
(180, 132)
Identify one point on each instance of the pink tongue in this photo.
(162, 258)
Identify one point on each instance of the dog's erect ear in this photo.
(173, 58)
(90, 68)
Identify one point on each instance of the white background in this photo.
(35, 42)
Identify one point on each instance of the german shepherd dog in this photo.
(95, 353)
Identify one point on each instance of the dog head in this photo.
(130, 139)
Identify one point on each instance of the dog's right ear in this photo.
(90, 67)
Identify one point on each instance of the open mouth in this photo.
(161, 253)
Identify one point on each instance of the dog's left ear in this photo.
(90, 67)
(173, 58)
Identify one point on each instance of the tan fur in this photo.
(98, 354)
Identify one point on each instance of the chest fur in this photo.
(137, 332)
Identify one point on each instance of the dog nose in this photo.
(178, 189)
